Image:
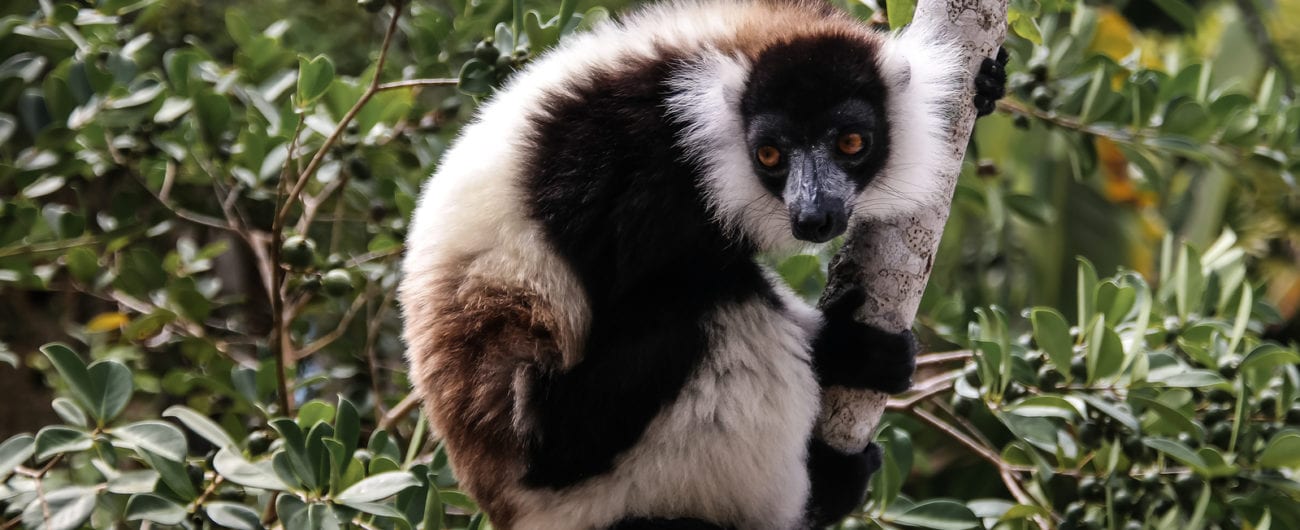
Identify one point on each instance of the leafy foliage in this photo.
(202, 206)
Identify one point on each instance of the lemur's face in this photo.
(816, 129)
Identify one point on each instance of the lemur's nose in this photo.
(819, 224)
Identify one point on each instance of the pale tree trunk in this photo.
(892, 259)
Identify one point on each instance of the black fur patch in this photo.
(813, 86)
(622, 207)
(839, 481)
(852, 354)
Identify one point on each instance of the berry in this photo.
(298, 252)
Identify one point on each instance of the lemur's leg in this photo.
(991, 83)
(856, 355)
(838, 481)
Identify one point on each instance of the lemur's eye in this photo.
(851, 144)
(769, 156)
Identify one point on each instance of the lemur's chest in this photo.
(731, 448)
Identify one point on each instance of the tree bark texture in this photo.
(892, 258)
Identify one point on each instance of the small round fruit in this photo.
(298, 252)
(1091, 489)
(1090, 434)
(359, 168)
(1268, 403)
(258, 443)
(1293, 415)
(1079, 367)
(1217, 414)
(372, 6)
(1122, 500)
(336, 282)
(486, 51)
(1049, 378)
(1221, 396)
(1221, 435)
(1042, 97)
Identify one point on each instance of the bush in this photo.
(202, 206)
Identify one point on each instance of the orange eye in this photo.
(769, 156)
(851, 144)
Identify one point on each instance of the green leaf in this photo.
(201, 425)
(68, 509)
(160, 438)
(1189, 282)
(149, 507)
(56, 439)
(82, 264)
(234, 468)
(15, 451)
(233, 516)
(1282, 451)
(132, 482)
(111, 382)
(1119, 412)
(148, 326)
(378, 487)
(382, 510)
(295, 458)
(433, 507)
(1192, 379)
(71, 414)
(900, 12)
(314, 412)
(1269, 356)
(938, 515)
(74, 373)
(1053, 335)
(1177, 451)
(1045, 406)
(314, 78)
(347, 426)
(476, 78)
(290, 509)
(1086, 277)
(173, 474)
(1171, 416)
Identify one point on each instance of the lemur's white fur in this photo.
(732, 448)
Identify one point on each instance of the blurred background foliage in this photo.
(191, 191)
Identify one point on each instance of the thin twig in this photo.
(952, 432)
(333, 138)
(417, 83)
(399, 411)
(926, 390)
(334, 334)
(275, 289)
(943, 358)
(372, 334)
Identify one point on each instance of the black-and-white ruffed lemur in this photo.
(584, 315)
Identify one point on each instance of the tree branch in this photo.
(891, 258)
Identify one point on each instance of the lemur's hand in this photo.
(856, 355)
(991, 83)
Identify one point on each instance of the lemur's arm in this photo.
(581, 418)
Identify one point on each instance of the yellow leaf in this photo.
(107, 322)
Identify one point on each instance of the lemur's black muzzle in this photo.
(816, 194)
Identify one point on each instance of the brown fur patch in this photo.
(474, 341)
